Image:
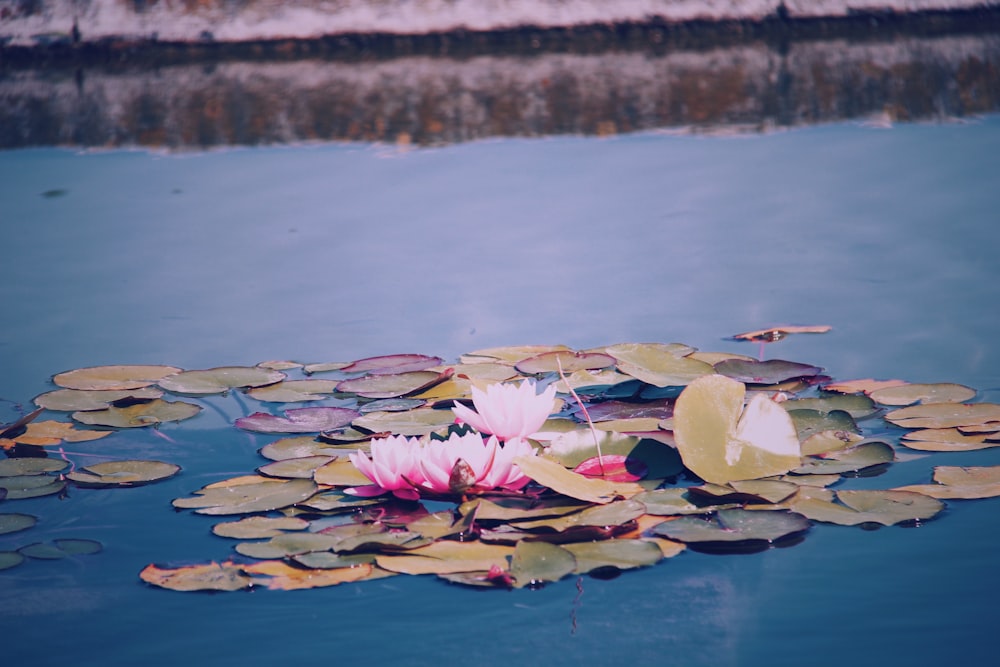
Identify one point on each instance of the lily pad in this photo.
(53, 433)
(810, 422)
(567, 361)
(852, 459)
(669, 502)
(247, 498)
(908, 394)
(734, 525)
(301, 446)
(774, 334)
(621, 554)
(857, 406)
(391, 405)
(392, 386)
(447, 557)
(420, 421)
(72, 400)
(300, 468)
(340, 472)
(946, 440)
(123, 473)
(113, 377)
(392, 364)
(298, 420)
(944, 415)
(9, 559)
(559, 479)
(613, 467)
(294, 391)
(227, 576)
(534, 563)
(31, 466)
(78, 547)
(511, 354)
(20, 487)
(771, 371)
(611, 514)
(157, 411)
(720, 441)
(866, 506)
(220, 380)
(13, 522)
(960, 482)
(862, 386)
(287, 544)
(658, 364)
(259, 527)
(324, 367)
(609, 410)
(279, 575)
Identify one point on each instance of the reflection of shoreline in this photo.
(427, 100)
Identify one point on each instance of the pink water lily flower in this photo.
(471, 464)
(508, 410)
(394, 466)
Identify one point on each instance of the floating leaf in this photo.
(734, 525)
(42, 551)
(865, 506)
(154, 412)
(771, 371)
(30, 466)
(301, 446)
(285, 577)
(659, 365)
(298, 420)
(294, 391)
(669, 502)
(327, 560)
(324, 367)
(609, 410)
(944, 415)
(524, 508)
(576, 446)
(78, 547)
(391, 405)
(908, 394)
(946, 440)
(279, 365)
(421, 421)
(774, 334)
(753, 490)
(340, 472)
(566, 361)
(960, 482)
(559, 479)
(336, 500)
(616, 553)
(249, 497)
(256, 527)
(72, 400)
(810, 422)
(829, 441)
(53, 433)
(301, 468)
(851, 459)
(288, 544)
(720, 442)
(12, 522)
(392, 364)
(227, 576)
(113, 377)
(20, 487)
(611, 514)
(537, 562)
(9, 559)
(123, 473)
(448, 557)
(392, 386)
(865, 386)
(220, 380)
(857, 406)
(512, 354)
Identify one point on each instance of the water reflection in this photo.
(430, 100)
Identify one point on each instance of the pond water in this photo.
(340, 251)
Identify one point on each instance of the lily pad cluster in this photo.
(650, 449)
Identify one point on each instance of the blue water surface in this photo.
(336, 252)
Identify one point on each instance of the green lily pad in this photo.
(720, 441)
(622, 554)
(220, 380)
(514, 508)
(73, 400)
(510, 354)
(567, 361)
(279, 365)
(123, 473)
(421, 421)
(772, 371)
(392, 364)
(865, 506)
(576, 446)
(944, 415)
(829, 441)
(559, 479)
(447, 557)
(939, 392)
(611, 514)
(324, 367)
(614, 410)
(154, 412)
(851, 459)
(335, 500)
(301, 446)
(810, 422)
(326, 560)
(535, 563)
(113, 377)
(42, 551)
(287, 544)
(259, 527)
(669, 502)
(226, 576)
(294, 391)
(20, 487)
(743, 491)
(30, 466)
(946, 440)
(340, 472)
(960, 483)
(858, 406)
(13, 522)
(78, 547)
(733, 525)
(298, 420)
(301, 468)
(9, 559)
(262, 496)
(392, 386)
(391, 405)
(658, 364)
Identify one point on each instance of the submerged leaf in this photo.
(11, 522)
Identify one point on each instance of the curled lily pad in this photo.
(734, 525)
(30, 466)
(294, 391)
(72, 400)
(113, 377)
(535, 563)
(392, 364)
(944, 415)
(152, 413)
(298, 420)
(392, 386)
(720, 441)
(227, 576)
(566, 361)
(867, 506)
(659, 365)
(259, 527)
(12, 522)
(123, 473)
(220, 380)
(772, 371)
(908, 394)
(774, 334)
